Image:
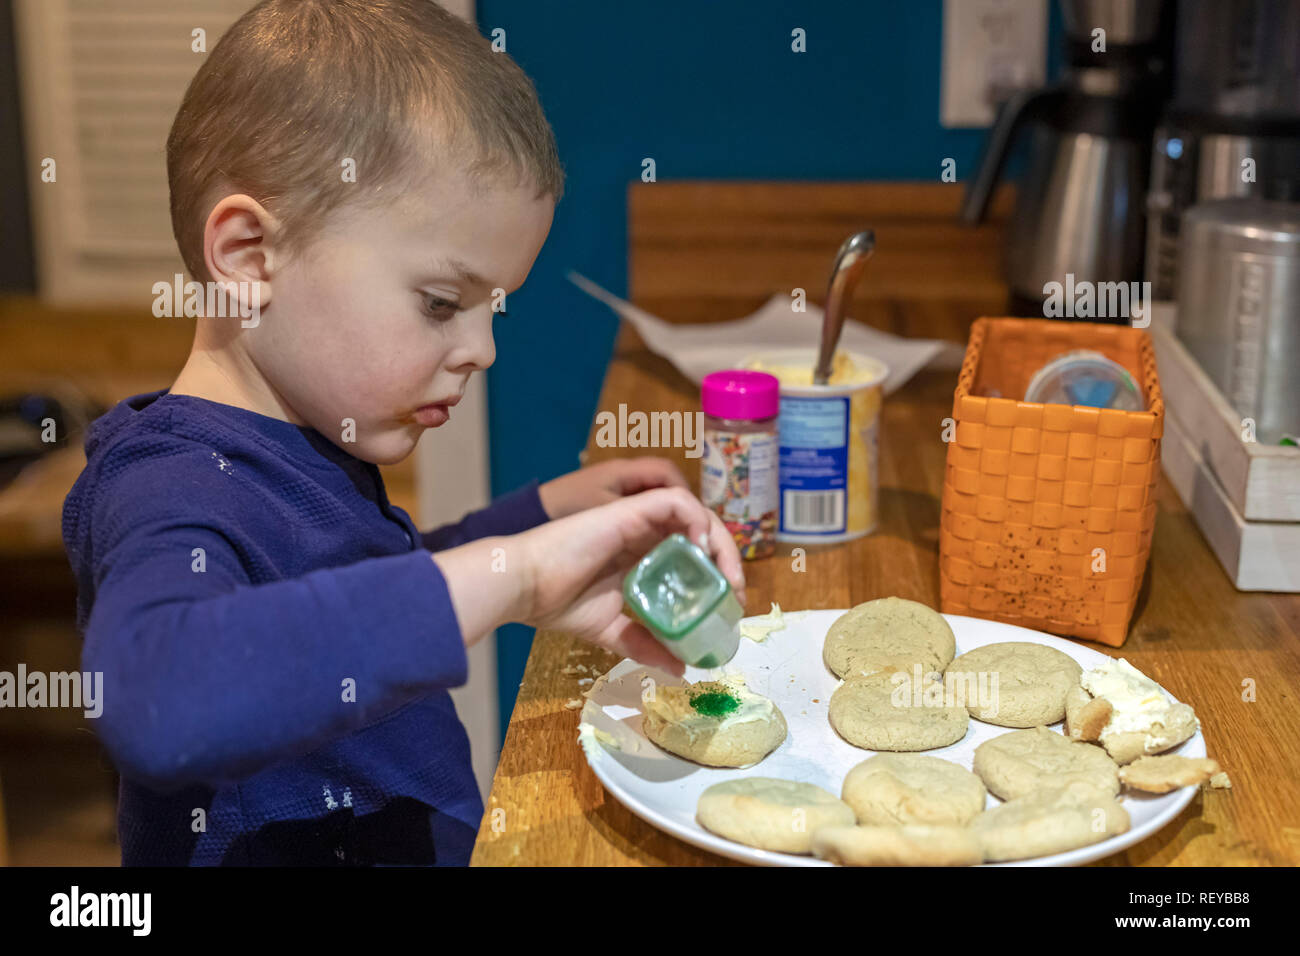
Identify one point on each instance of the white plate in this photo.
(663, 789)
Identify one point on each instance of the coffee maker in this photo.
(1079, 208)
(1233, 127)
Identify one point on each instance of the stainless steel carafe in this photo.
(1080, 200)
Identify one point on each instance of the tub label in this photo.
(814, 464)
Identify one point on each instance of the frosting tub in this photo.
(828, 438)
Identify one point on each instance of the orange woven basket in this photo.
(1048, 510)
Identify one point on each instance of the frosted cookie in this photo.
(891, 789)
(1085, 716)
(886, 712)
(1049, 821)
(888, 634)
(719, 723)
(1162, 774)
(914, 844)
(1023, 761)
(1027, 683)
(1143, 720)
(771, 814)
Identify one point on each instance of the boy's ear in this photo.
(238, 245)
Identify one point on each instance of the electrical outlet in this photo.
(989, 48)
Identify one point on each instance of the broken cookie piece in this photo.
(1086, 716)
(1162, 774)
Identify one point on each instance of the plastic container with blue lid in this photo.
(1085, 377)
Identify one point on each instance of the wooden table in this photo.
(1193, 632)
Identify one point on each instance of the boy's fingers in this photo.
(672, 509)
(667, 510)
(640, 474)
(678, 509)
(669, 473)
(722, 548)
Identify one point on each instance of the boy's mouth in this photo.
(434, 414)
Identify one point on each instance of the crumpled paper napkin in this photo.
(697, 349)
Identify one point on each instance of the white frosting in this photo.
(844, 371)
(758, 630)
(1137, 702)
(589, 735)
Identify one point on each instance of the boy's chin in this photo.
(386, 449)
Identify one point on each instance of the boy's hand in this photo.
(606, 482)
(576, 566)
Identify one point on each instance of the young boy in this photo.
(276, 640)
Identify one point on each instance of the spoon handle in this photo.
(849, 263)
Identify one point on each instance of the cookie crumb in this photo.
(573, 704)
(1220, 781)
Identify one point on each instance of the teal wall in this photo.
(709, 89)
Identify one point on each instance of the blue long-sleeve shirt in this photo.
(275, 640)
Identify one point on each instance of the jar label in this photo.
(738, 480)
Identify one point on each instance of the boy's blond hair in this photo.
(296, 87)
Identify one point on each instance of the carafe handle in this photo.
(1015, 111)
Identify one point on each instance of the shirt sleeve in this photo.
(207, 679)
(511, 513)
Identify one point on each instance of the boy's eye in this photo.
(439, 308)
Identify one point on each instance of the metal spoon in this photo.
(849, 262)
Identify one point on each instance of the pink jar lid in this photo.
(740, 394)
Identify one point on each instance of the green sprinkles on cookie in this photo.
(714, 703)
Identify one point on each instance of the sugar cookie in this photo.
(1020, 762)
(1049, 821)
(716, 723)
(880, 712)
(888, 634)
(1028, 682)
(769, 813)
(914, 844)
(891, 789)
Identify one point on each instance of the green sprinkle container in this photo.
(685, 602)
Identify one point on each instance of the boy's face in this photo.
(388, 313)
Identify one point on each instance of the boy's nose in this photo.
(476, 349)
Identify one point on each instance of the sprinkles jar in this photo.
(738, 471)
